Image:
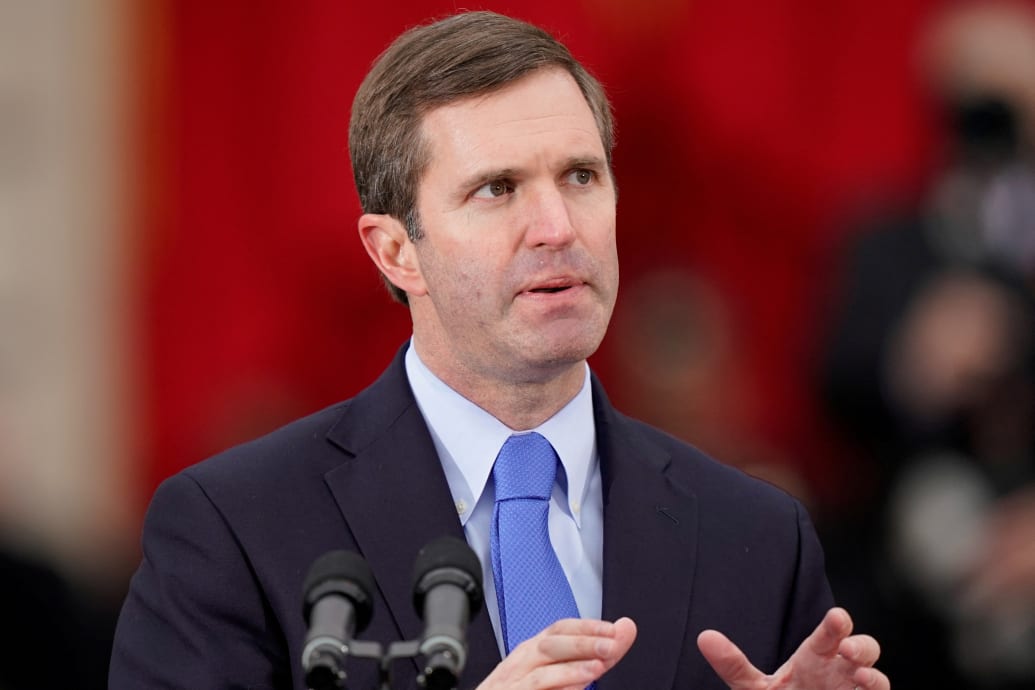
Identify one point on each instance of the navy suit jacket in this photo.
(689, 544)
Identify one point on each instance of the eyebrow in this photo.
(592, 162)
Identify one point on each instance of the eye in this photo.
(494, 189)
(581, 177)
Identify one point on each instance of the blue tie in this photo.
(531, 589)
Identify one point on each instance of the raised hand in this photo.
(568, 655)
(831, 658)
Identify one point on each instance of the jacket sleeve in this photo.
(811, 597)
(195, 616)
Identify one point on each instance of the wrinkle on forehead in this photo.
(520, 104)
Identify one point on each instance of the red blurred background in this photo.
(747, 131)
(751, 136)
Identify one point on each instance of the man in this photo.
(482, 153)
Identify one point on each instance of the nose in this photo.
(549, 219)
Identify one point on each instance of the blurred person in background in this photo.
(931, 368)
(677, 366)
(52, 635)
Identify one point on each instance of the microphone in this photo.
(447, 593)
(337, 606)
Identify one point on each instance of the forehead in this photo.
(541, 112)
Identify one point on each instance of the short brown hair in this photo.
(462, 56)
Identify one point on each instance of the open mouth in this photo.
(551, 290)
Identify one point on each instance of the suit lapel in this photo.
(650, 538)
(395, 498)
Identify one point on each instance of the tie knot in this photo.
(525, 468)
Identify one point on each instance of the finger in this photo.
(625, 635)
(572, 674)
(525, 669)
(728, 661)
(871, 679)
(609, 653)
(576, 638)
(571, 647)
(861, 650)
(580, 626)
(610, 645)
(827, 637)
(569, 654)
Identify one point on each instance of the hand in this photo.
(955, 340)
(828, 659)
(569, 655)
(1003, 580)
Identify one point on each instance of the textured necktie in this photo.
(531, 589)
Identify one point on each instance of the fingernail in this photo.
(605, 647)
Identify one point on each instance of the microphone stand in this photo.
(364, 649)
(408, 649)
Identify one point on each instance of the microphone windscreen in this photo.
(438, 558)
(345, 573)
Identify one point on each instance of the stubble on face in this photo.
(518, 256)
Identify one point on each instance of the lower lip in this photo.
(573, 292)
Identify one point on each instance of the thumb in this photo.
(728, 661)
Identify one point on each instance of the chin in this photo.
(564, 349)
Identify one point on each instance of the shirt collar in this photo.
(468, 438)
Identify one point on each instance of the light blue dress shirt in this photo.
(468, 439)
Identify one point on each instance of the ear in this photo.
(391, 250)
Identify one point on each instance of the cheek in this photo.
(461, 281)
(600, 240)
(597, 221)
(479, 265)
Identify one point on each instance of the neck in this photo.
(521, 400)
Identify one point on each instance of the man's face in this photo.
(518, 256)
